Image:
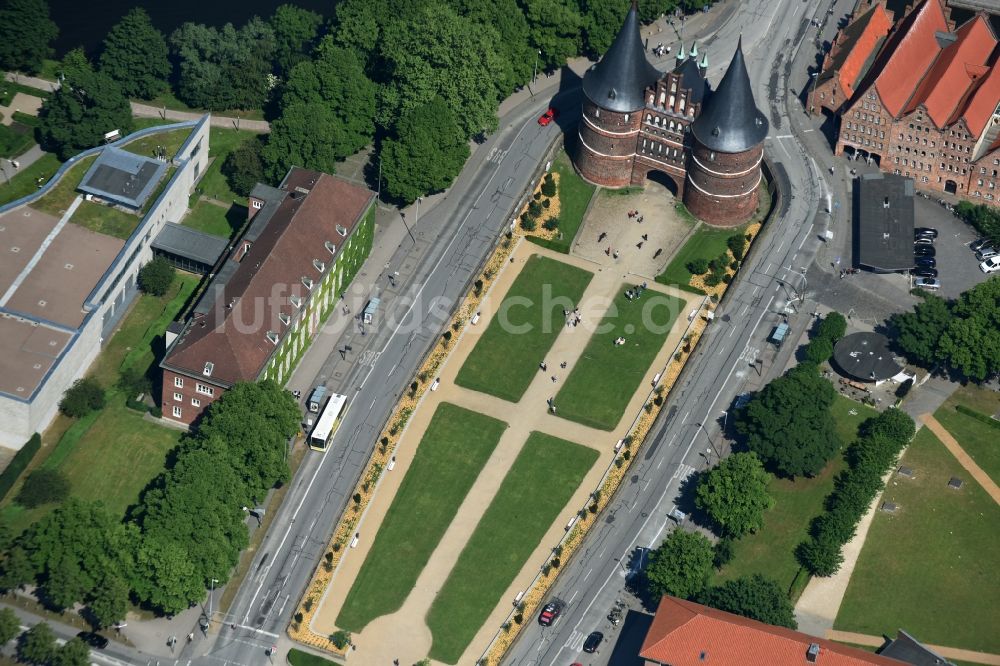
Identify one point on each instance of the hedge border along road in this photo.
(452, 452)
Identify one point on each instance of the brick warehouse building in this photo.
(922, 100)
(640, 123)
(280, 282)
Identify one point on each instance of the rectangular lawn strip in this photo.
(706, 243)
(221, 142)
(213, 219)
(57, 200)
(105, 219)
(602, 382)
(505, 359)
(15, 139)
(25, 182)
(930, 567)
(980, 440)
(543, 478)
(574, 196)
(452, 452)
(771, 551)
(170, 142)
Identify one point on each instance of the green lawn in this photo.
(299, 658)
(931, 567)
(574, 196)
(105, 219)
(26, 180)
(170, 142)
(214, 219)
(980, 440)
(771, 551)
(57, 200)
(450, 456)
(15, 139)
(169, 100)
(602, 382)
(8, 89)
(221, 142)
(542, 479)
(530, 318)
(706, 243)
(143, 123)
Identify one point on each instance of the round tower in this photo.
(613, 92)
(727, 146)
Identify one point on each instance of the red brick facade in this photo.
(608, 139)
(723, 187)
(185, 398)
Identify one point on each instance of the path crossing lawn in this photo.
(602, 382)
(450, 456)
(539, 484)
(980, 440)
(930, 568)
(530, 318)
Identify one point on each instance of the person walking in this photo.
(658, 252)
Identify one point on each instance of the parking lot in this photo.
(958, 269)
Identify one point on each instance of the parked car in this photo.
(93, 639)
(550, 613)
(593, 642)
(548, 116)
(925, 262)
(979, 244)
(929, 232)
(928, 283)
(924, 251)
(925, 271)
(923, 240)
(991, 265)
(987, 252)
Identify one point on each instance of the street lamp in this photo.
(417, 221)
(814, 76)
(534, 71)
(210, 595)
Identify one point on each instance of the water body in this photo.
(86, 23)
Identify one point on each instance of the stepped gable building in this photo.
(928, 107)
(640, 123)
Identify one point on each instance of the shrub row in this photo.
(19, 463)
(829, 330)
(979, 416)
(869, 458)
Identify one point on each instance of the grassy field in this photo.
(169, 100)
(542, 479)
(505, 359)
(105, 219)
(170, 142)
(143, 123)
(26, 180)
(771, 551)
(215, 220)
(980, 440)
(574, 196)
(213, 184)
(57, 200)
(706, 243)
(299, 658)
(113, 454)
(8, 89)
(450, 456)
(931, 567)
(15, 139)
(602, 382)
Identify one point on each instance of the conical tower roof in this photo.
(618, 81)
(730, 121)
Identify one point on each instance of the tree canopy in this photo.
(554, 29)
(295, 33)
(157, 276)
(244, 166)
(84, 396)
(734, 494)
(788, 423)
(983, 217)
(10, 625)
(135, 55)
(755, 597)
(38, 645)
(601, 19)
(509, 21)
(26, 35)
(681, 565)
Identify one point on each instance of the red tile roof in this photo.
(684, 633)
(913, 49)
(874, 25)
(234, 339)
(983, 99)
(955, 71)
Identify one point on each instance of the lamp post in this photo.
(417, 221)
(534, 71)
(378, 192)
(812, 96)
(210, 595)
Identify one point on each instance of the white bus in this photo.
(327, 423)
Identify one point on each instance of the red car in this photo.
(548, 116)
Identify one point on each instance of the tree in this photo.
(820, 557)
(650, 10)
(506, 17)
(357, 25)
(340, 639)
(755, 597)
(892, 423)
(244, 166)
(818, 350)
(17, 569)
(26, 35)
(917, 333)
(73, 652)
(38, 645)
(108, 603)
(157, 276)
(165, 578)
(788, 424)
(833, 327)
(295, 31)
(681, 565)
(554, 28)
(734, 493)
(601, 19)
(86, 106)
(426, 153)
(83, 397)
(43, 486)
(431, 55)
(10, 625)
(135, 55)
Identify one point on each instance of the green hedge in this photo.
(979, 416)
(20, 463)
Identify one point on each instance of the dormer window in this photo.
(307, 282)
(330, 247)
(342, 230)
(296, 301)
(319, 265)
(209, 367)
(273, 337)
(284, 318)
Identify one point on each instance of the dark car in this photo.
(550, 613)
(925, 231)
(93, 640)
(548, 116)
(925, 271)
(979, 244)
(593, 641)
(924, 251)
(925, 262)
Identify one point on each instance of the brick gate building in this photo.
(639, 123)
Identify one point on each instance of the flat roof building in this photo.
(125, 178)
(883, 222)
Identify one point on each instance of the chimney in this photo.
(812, 655)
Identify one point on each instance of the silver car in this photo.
(986, 253)
(928, 283)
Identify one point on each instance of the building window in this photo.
(597, 112)
(256, 203)
(195, 402)
(177, 412)
(626, 117)
(204, 389)
(179, 382)
(178, 397)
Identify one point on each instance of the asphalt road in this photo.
(687, 436)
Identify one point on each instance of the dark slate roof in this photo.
(190, 243)
(619, 80)
(123, 177)
(865, 356)
(730, 121)
(884, 222)
(908, 649)
(692, 79)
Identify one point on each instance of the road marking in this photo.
(589, 571)
(575, 592)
